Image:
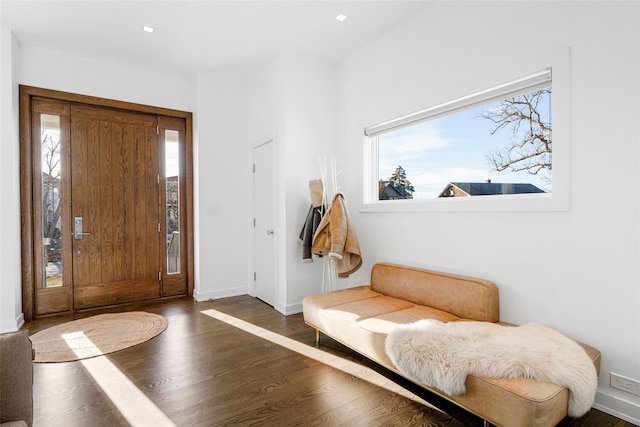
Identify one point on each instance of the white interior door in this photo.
(264, 233)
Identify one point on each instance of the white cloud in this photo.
(410, 147)
(424, 137)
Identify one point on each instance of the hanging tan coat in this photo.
(336, 238)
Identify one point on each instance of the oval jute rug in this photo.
(95, 336)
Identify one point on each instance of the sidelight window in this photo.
(172, 174)
(51, 199)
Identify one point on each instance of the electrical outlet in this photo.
(625, 384)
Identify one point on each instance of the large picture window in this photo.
(497, 142)
(504, 145)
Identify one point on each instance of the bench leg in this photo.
(317, 337)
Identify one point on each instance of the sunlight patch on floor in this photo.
(81, 345)
(137, 408)
(344, 365)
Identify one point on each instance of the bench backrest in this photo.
(466, 297)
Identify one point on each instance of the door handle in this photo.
(77, 232)
(270, 232)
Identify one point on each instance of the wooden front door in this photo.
(107, 202)
(116, 254)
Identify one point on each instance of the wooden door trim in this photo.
(27, 94)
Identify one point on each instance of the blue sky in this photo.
(447, 149)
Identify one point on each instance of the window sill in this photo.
(513, 203)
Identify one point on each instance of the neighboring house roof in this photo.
(458, 189)
(392, 190)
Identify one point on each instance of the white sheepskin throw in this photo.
(441, 355)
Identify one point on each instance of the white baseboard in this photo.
(618, 407)
(294, 308)
(217, 294)
(280, 308)
(20, 321)
(12, 325)
(289, 309)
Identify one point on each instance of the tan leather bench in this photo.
(362, 317)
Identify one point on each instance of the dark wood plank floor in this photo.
(204, 371)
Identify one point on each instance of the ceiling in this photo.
(192, 36)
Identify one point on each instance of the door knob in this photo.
(270, 232)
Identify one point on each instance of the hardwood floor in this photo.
(235, 362)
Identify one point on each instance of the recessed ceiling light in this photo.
(341, 17)
(147, 29)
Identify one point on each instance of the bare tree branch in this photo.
(530, 146)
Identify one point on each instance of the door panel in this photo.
(264, 237)
(114, 189)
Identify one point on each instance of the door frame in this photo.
(27, 211)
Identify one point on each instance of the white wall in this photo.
(57, 70)
(576, 271)
(223, 175)
(11, 316)
(310, 132)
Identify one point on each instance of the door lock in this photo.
(270, 232)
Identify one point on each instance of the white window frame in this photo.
(527, 75)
